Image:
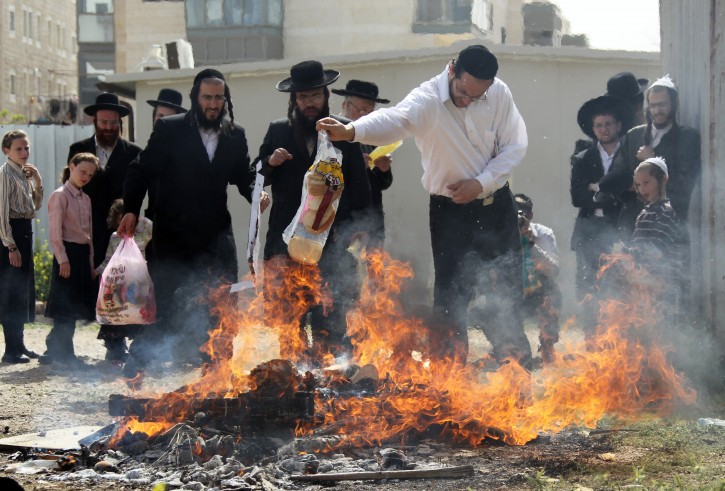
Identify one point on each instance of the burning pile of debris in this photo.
(248, 423)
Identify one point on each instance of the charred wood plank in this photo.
(245, 409)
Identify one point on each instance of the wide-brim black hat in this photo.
(361, 89)
(599, 105)
(168, 98)
(625, 86)
(307, 75)
(108, 101)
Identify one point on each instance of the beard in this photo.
(209, 124)
(306, 123)
(108, 138)
(667, 122)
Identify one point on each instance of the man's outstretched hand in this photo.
(336, 130)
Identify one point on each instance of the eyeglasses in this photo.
(209, 98)
(367, 109)
(463, 95)
(305, 99)
(109, 123)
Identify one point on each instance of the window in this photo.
(231, 13)
(442, 16)
(12, 84)
(100, 7)
(11, 20)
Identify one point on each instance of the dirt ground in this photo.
(36, 398)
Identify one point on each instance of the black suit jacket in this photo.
(105, 187)
(191, 211)
(680, 148)
(286, 181)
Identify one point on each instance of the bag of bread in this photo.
(322, 187)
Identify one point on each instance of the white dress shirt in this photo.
(210, 139)
(489, 144)
(658, 133)
(545, 250)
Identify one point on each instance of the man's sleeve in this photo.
(243, 173)
(145, 168)
(265, 150)
(412, 116)
(581, 196)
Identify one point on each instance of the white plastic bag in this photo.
(126, 295)
(322, 187)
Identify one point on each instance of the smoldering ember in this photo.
(263, 417)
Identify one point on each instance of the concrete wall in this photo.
(140, 24)
(335, 27)
(549, 85)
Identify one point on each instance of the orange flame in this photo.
(621, 371)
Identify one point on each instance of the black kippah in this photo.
(208, 73)
(478, 61)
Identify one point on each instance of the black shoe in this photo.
(72, 362)
(46, 360)
(14, 359)
(29, 354)
(132, 368)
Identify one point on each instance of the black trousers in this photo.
(184, 283)
(477, 261)
(17, 287)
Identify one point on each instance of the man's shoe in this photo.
(29, 354)
(132, 368)
(14, 359)
(72, 362)
(46, 360)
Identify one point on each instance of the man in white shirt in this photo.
(471, 137)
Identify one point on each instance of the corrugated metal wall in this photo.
(49, 151)
(692, 51)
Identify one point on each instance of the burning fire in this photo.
(621, 371)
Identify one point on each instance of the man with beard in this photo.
(114, 154)
(471, 137)
(595, 230)
(193, 157)
(662, 137)
(288, 150)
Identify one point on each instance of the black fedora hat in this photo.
(168, 98)
(307, 75)
(602, 104)
(625, 85)
(361, 89)
(108, 101)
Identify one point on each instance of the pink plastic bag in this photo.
(126, 295)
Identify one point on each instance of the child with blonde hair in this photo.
(659, 242)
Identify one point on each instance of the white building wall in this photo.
(549, 85)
